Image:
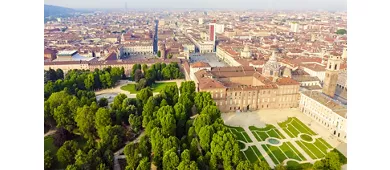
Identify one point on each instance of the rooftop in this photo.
(336, 107)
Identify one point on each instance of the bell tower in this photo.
(331, 75)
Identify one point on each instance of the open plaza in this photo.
(281, 136)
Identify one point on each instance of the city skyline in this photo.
(332, 5)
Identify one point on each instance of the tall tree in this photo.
(171, 94)
(85, 119)
(244, 165)
(137, 75)
(64, 117)
(103, 118)
(261, 165)
(66, 153)
(144, 94)
(168, 125)
(144, 164)
(202, 99)
(61, 136)
(170, 159)
(205, 135)
(48, 159)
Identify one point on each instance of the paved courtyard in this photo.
(281, 135)
(210, 58)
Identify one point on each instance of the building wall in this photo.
(254, 98)
(334, 123)
(221, 54)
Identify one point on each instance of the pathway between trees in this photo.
(50, 132)
(117, 154)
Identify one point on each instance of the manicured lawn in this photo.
(306, 138)
(302, 127)
(130, 88)
(293, 127)
(253, 154)
(295, 150)
(241, 145)
(263, 133)
(275, 133)
(157, 87)
(321, 146)
(291, 151)
(270, 154)
(266, 128)
(240, 133)
(312, 150)
(260, 136)
(324, 142)
(309, 152)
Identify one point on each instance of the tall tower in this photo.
(344, 56)
(212, 33)
(331, 75)
(126, 6)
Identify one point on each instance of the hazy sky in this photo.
(233, 4)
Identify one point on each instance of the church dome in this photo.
(272, 67)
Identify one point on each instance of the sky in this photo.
(333, 5)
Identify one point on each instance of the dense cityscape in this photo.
(196, 89)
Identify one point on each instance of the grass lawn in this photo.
(157, 87)
(263, 133)
(241, 145)
(240, 133)
(306, 138)
(311, 149)
(253, 154)
(291, 151)
(269, 152)
(295, 150)
(293, 127)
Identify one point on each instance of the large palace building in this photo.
(247, 88)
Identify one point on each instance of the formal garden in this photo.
(286, 145)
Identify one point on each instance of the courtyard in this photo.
(279, 136)
(210, 58)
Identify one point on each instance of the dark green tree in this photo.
(48, 159)
(261, 165)
(244, 165)
(103, 102)
(170, 159)
(66, 153)
(85, 119)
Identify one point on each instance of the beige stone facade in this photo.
(327, 112)
(246, 89)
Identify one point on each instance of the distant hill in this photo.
(51, 10)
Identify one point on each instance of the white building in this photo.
(294, 27)
(132, 49)
(201, 21)
(327, 112)
(219, 28)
